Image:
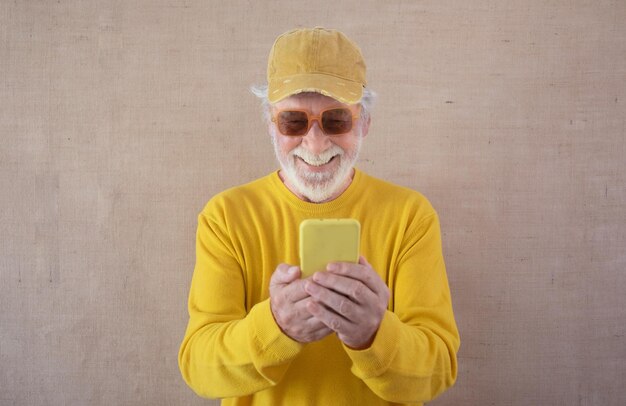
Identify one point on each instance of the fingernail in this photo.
(292, 270)
(310, 287)
(331, 266)
(319, 276)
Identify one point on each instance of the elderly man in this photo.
(380, 331)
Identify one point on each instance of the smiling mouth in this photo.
(318, 163)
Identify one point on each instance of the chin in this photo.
(317, 185)
(320, 186)
(317, 193)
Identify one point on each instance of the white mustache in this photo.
(317, 159)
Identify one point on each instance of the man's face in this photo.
(317, 167)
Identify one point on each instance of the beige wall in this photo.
(120, 119)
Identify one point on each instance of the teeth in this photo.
(317, 163)
(317, 159)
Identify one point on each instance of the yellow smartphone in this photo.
(328, 240)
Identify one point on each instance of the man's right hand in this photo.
(288, 301)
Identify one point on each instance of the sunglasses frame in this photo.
(317, 118)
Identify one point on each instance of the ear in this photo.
(366, 126)
(271, 134)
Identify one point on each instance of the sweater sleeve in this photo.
(227, 351)
(413, 356)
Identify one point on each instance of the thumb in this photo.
(363, 261)
(285, 274)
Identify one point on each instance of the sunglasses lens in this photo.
(292, 122)
(337, 121)
(333, 122)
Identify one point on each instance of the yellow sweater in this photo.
(234, 349)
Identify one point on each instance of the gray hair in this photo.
(367, 101)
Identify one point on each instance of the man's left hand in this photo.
(351, 299)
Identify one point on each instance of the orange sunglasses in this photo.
(333, 121)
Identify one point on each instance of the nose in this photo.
(315, 140)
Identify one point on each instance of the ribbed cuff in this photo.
(375, 360)
(268, 338)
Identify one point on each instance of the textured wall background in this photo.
(119, 120)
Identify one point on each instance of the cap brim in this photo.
(345, 91)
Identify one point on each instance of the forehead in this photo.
(310, 101)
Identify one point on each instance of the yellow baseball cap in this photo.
(315, 60)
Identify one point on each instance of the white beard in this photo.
(317, 186)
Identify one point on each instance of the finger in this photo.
(312, 323)
(293, 292)
(314, 334)
(334, 301)
(331, 319)
(292, 317)
(320, 333)
(298, 323)
(362, 272)
(300, 308)
(356, 290)
(363, 261)
(284, 274)
(380, 287)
